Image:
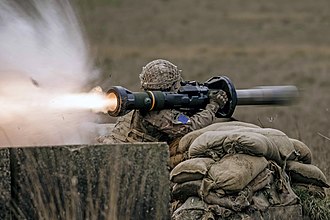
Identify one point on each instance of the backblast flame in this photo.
(113, 102)
(84, 101)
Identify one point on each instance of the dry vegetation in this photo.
(253, 42)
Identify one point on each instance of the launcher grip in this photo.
(263, 95)
(225, 84)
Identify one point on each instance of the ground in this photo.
(252, 42)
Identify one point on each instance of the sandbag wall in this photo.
(234, 169)
(122, 181)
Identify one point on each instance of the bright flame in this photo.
(83, 101)
(113, 102)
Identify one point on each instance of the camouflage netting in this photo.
(236, 170)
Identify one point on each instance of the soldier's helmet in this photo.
(160, 75)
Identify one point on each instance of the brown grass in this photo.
(253, 42)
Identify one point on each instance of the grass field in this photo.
(253, 42)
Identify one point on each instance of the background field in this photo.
(253, 42)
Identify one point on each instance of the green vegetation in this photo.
(313, 206)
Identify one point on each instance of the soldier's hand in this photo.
(219, 97)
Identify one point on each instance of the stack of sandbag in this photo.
(235, 169)
(305, 175)
(179, 148)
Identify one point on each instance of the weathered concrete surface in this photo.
(125, 181)
(5, 184)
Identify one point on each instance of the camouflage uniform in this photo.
(164, 125)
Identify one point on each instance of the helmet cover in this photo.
(159, 74)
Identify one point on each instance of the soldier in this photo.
(164, 125)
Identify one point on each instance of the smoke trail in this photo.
(42, 54)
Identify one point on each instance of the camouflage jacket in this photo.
(159, 126)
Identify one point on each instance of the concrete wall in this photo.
(5, 184)
(126, 181)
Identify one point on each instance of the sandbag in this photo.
(233, 172)
(187, 140)
(217, 144)
(189, 170)
(304, 153)
(182, 191)
(280, 193)
(193, 208)
(220, 212)
(209, 144)
(306, 173)
(259, 201)
(173, 146)
(263, 179)
(279, 139)
(245, 197)
(176, 159)
(267, 142)
(228, 202)
(250, 193)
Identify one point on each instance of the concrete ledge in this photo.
(122, 181)
(5, 184)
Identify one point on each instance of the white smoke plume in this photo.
(43, 53)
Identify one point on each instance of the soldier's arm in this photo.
(205, 117)
(168, 121)
(176, 123)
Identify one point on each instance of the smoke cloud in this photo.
(43, 53)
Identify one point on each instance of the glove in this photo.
(219, 97)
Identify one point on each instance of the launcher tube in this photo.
(267, 95)
(194, 97)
